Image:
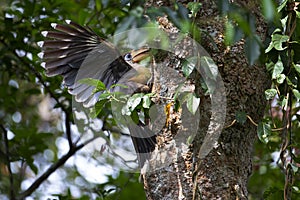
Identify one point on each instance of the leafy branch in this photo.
(72, 146)
(285, 88)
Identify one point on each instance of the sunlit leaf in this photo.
(297, 14)
(297, 68)
(263, 132)
(187, 68)
(99, 85)
(192, 103)
(296, 93)
(277, 41)
(282, 5)
(103, 96)
(270, 94)
(146, 101)
(132, 103)
(278, 68)
(194, 7)
(209, 66)
(280, 78)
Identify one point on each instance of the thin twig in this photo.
(7, 157)
(68, 130)
(255, 124)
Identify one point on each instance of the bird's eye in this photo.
(128, 57)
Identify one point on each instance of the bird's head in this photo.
(137, 59)
(136, 56)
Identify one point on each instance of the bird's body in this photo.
(76, 52)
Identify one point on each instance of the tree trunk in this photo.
(221, 170)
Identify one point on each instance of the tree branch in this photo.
(68, 130)
(53, 168)
(7, 158)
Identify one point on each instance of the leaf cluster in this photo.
(280, 127)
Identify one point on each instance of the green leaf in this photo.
(135, 100)
(146, 101)
(278, 68)
(296, 93)
(268, 9)
(283, 22)
(252, 49)
(282, 5)
(297, 68)
(132, 103)
(263, 132)
(209, 66)
(99, 85)
(270, 66)
(118, 85)
(244, 21)
(229, 33)
(194, 7)
(187, 68)
(280, 78)
(29, 162)
(98, 5)
(103, 96)
(270, 47)
(98, 108)
(297, 14)
(126, 110)
(241, 117)
(277, 41)
(270, 94)
(192, 103)
(134, 116)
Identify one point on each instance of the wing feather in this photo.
(76, 52)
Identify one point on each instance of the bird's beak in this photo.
(140, 54)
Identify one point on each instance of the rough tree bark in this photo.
(223, 173)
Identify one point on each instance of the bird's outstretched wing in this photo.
(76, 52)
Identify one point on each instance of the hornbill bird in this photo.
(77, 52)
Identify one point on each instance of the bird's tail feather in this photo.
(144, 141)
